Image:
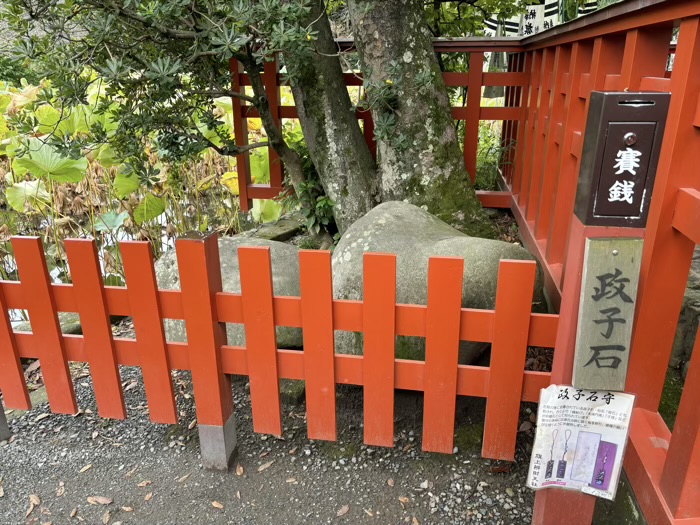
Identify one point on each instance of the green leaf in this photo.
(266, 210)
(48, 117)
(149, 208)
(125, 184)
(28, 194)
(114, 280)
(260, 166)
(110, 221)
(44, 161)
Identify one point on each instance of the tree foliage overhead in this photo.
(154, 69)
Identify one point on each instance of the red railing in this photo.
(510, 328)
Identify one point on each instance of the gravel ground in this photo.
(144, 473)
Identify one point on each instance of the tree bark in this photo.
(419, 157)
(337, 147)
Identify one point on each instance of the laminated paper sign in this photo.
(580, 440)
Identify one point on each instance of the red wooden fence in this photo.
(511, 327)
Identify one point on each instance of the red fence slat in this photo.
(88, 289)
(516, 280)
(12, 383)
(471, 129)
(200, 280)
(261, 340)
(442, 352)
(36, 287)
(379, 328)
(319, 348)
(240, 135)
(145, 308)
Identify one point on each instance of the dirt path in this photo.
(151, 474)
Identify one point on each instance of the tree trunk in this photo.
(334, 138)
(418, 153)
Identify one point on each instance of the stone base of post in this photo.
(218, 445)
(4, 427)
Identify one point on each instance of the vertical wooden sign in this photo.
(606, 312)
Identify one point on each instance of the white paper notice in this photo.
(580, 440)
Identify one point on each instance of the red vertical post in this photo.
(240, 134)
(260, 338)
(379, 327)
(519, 159)
(97, 329)
(319, 347)
(528, 144)
(199, 267)
(445, 275)
(36, 287)
(516, 283)
(681, 472)
(551, 148)
(667, 253)
(12, 383)
(646, 53)
(540, 134)
(144, 305)
(471, 124)
(566, 166)
(272, 91)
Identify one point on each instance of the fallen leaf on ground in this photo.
(240, 470)
(128, 509)
(217, 505)
(131, 385)
(265, 466)
(73, 513)
(343, 510)
(99, 500)
(390, 482)
(415, 521)
(105, 518)
(238, 494)
(404, 499)
(183, 478)
(34, 499)
(42, 416)
(192, 425)
(86, 468)
(144, 483)
(148, 496)
(369, 512)
(2, 491)
(61, 490)
(525, 426)
(291, 480)
(30, 510)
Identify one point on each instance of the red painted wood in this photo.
(529, 136)
(36, 288)
(557, 506)
(261, 341)
(539, 132)
(88, 288)
(667, 253)
(646, 53)
(686, 218)
(551, 149)
(199, 267)
(378, 319)
(516, 281)
(519, 160)
(495, 199)
(473, 111)
(145, 310)
(566, 166)
(14, 388)
(680, 480)
(273, 97)
(319, 347)
(442, 353)
(240, 134)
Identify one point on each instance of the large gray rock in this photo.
(414, 235)
(688, 320)
(285, 281)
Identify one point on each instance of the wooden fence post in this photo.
(200, 280)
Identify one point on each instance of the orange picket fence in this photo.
(204, 307)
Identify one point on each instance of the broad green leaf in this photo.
(106, 156)
(266, 210)
(44, 161)
(48, 117)
(27, 195)
(149, 208)
(125, 184)
(110, 221)
(260, 166)
(230, 180)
